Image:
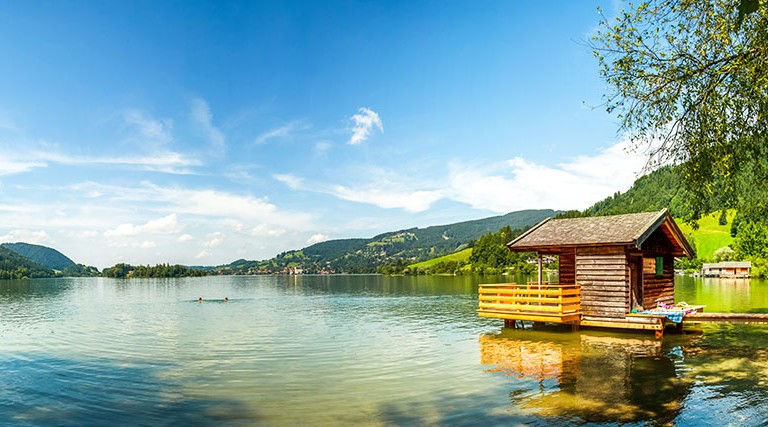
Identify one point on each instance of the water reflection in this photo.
(590, 377)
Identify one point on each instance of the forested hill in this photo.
(44, 256)
(659, 189)
(414, 244)
(15, 266)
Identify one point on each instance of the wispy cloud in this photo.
(282, 132)
(264, 230)
(364, 122)
(292, 181)
(411, 201)
(166, 161)
(322, 148)
(149, 128)
(382, 188)
(201, 114)
(10, 165)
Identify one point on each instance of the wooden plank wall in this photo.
(567, 264)
(659, 288)
(603, 274)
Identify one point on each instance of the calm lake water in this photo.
(357, 350)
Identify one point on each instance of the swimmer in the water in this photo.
(200, 299)
(226, 299)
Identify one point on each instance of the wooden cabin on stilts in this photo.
(611, 269)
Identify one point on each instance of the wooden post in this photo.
(540, 267)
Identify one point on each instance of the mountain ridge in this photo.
(361, 255)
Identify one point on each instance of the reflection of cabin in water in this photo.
(727, 269)
(595, 378)
(609, 267)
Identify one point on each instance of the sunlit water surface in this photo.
(357, 350)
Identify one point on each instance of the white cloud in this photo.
(167, 161)
(146, 245)
(214, 239)
(411, 201)
(201, 113)
(317, 238)
(322, 148)
(263, 230)
(203, 254)
(282, 132)
(186, 238)
(520, 184)
(39, 237)
(364, 122)
(292, 181)
(148, 127)
(84, 234)
(165, 225)
(10, 165)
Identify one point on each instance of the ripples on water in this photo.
(350, 350)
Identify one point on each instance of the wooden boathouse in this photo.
(727, 269)
(610, 268)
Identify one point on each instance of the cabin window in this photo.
(659, 266)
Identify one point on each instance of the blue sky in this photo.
(204, 132)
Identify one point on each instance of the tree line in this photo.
(489, 256)
(123, 270)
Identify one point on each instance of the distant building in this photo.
(727, 269)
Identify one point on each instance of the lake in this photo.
(357, 350)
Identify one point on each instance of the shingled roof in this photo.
(628, 229)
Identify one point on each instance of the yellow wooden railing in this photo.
(533, 302)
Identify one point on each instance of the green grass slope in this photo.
(710, 236)
(459, 256)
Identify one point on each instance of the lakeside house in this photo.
(727, 269)
(609, 268)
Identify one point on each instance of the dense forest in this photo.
(15, 266)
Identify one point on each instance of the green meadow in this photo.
(710, 236)
(460, 256)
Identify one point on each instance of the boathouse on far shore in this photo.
(727, 269)
(609, 268)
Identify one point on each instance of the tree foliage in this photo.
(490, 254)
(123, 270)
(689, 81)
(15, 266)
(751, 241)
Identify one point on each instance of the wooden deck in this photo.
(531, 301)
(555, 303)
(755, 318)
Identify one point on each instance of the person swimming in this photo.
(226, 299)
(200, 299)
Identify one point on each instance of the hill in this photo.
(655, 191)
(44, 256)
(710, 235)
(15, 266)
(365, 255)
